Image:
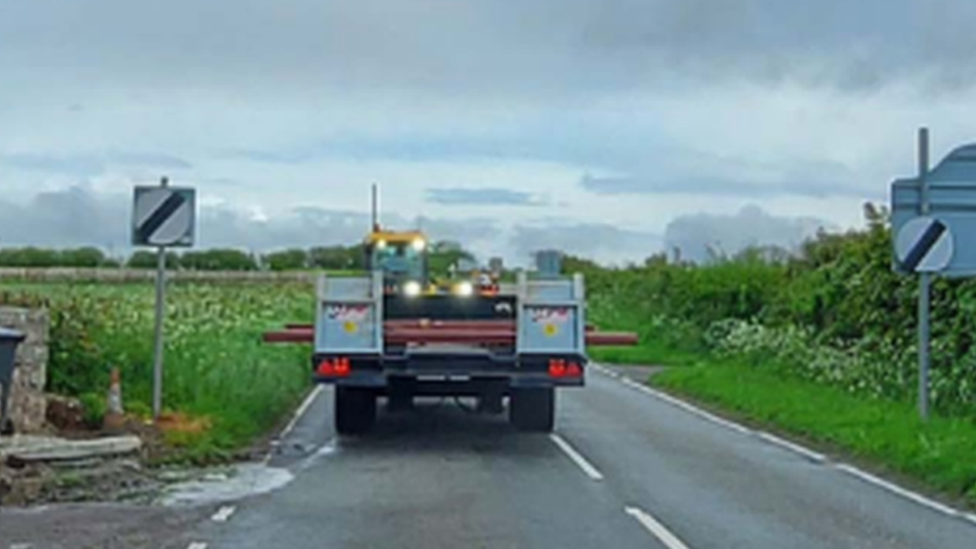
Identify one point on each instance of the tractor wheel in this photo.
(355, 410)
(533, 410)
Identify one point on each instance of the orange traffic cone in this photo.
(114, 415)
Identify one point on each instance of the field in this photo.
(216, 368)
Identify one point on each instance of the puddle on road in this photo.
(325, 450)
(228, 484)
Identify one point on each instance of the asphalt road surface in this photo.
(625, 468)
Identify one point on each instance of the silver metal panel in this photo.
(551, 315)
(349, 314)
(547, 328)
(548, 290)
(347, 328)
(345, 288)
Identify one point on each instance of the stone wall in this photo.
(28, 406)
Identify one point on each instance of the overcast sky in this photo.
(606, 127)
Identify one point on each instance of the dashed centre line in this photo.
(577, 458)
(223, 513)
(653, 526)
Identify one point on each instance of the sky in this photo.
(608, 128)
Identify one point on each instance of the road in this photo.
(625, 468)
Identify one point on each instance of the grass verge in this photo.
(225, 387)
(887, 435)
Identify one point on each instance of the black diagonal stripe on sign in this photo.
(158, 217)
(924, 244)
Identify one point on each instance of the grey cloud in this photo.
(156, 160)
(816, 178)
(492, 47)
(717, 186)
(64, 164)
(73, 217)
(80, 216)
(482, 196)
(88, 165)
(695, 235)
(602, 242)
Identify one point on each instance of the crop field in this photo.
(216, 366)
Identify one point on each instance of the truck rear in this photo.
(520, 343)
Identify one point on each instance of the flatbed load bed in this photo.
(521, 345)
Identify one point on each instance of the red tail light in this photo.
(560, 368)
(337, 367)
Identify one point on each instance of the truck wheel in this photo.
(355, 410)
(533, 409)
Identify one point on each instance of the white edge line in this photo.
(579, 460)
(917, 498)
(653, 526)
(223, 513)
(773, 439)
(688, 407)
(197, 545)
(301, 410)
(309, 399)
(806, 452)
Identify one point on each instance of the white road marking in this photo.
(326, 449)
(223, 513)
(653, 526)
(810, 454)
(917, 498)
(301, 410)
(197, 545)
(309, 399)
(803, 451)
(687, 407)
(578, 459)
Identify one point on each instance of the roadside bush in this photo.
(835, 313)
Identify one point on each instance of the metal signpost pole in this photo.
(924, 282)
(158, 336)
(163, 217)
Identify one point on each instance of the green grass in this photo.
(890, 434)
(647, 352)
(216, 365)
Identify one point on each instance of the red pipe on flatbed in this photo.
(496, 336)
(438, 324)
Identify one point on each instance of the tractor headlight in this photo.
(419, 244)
(464, 289)
(411, 288)
(380, 244)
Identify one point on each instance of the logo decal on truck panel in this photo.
(351, 313)
(549, 315)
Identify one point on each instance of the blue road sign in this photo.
(952, 204)
(924, 245)
(164, 216)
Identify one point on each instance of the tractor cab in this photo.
(401, 256)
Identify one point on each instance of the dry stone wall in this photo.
(28, 406)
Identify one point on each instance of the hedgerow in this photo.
(834, 313)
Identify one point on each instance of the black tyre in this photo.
(355, 410)
(533, 410)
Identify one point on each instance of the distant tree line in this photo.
(442, 254)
